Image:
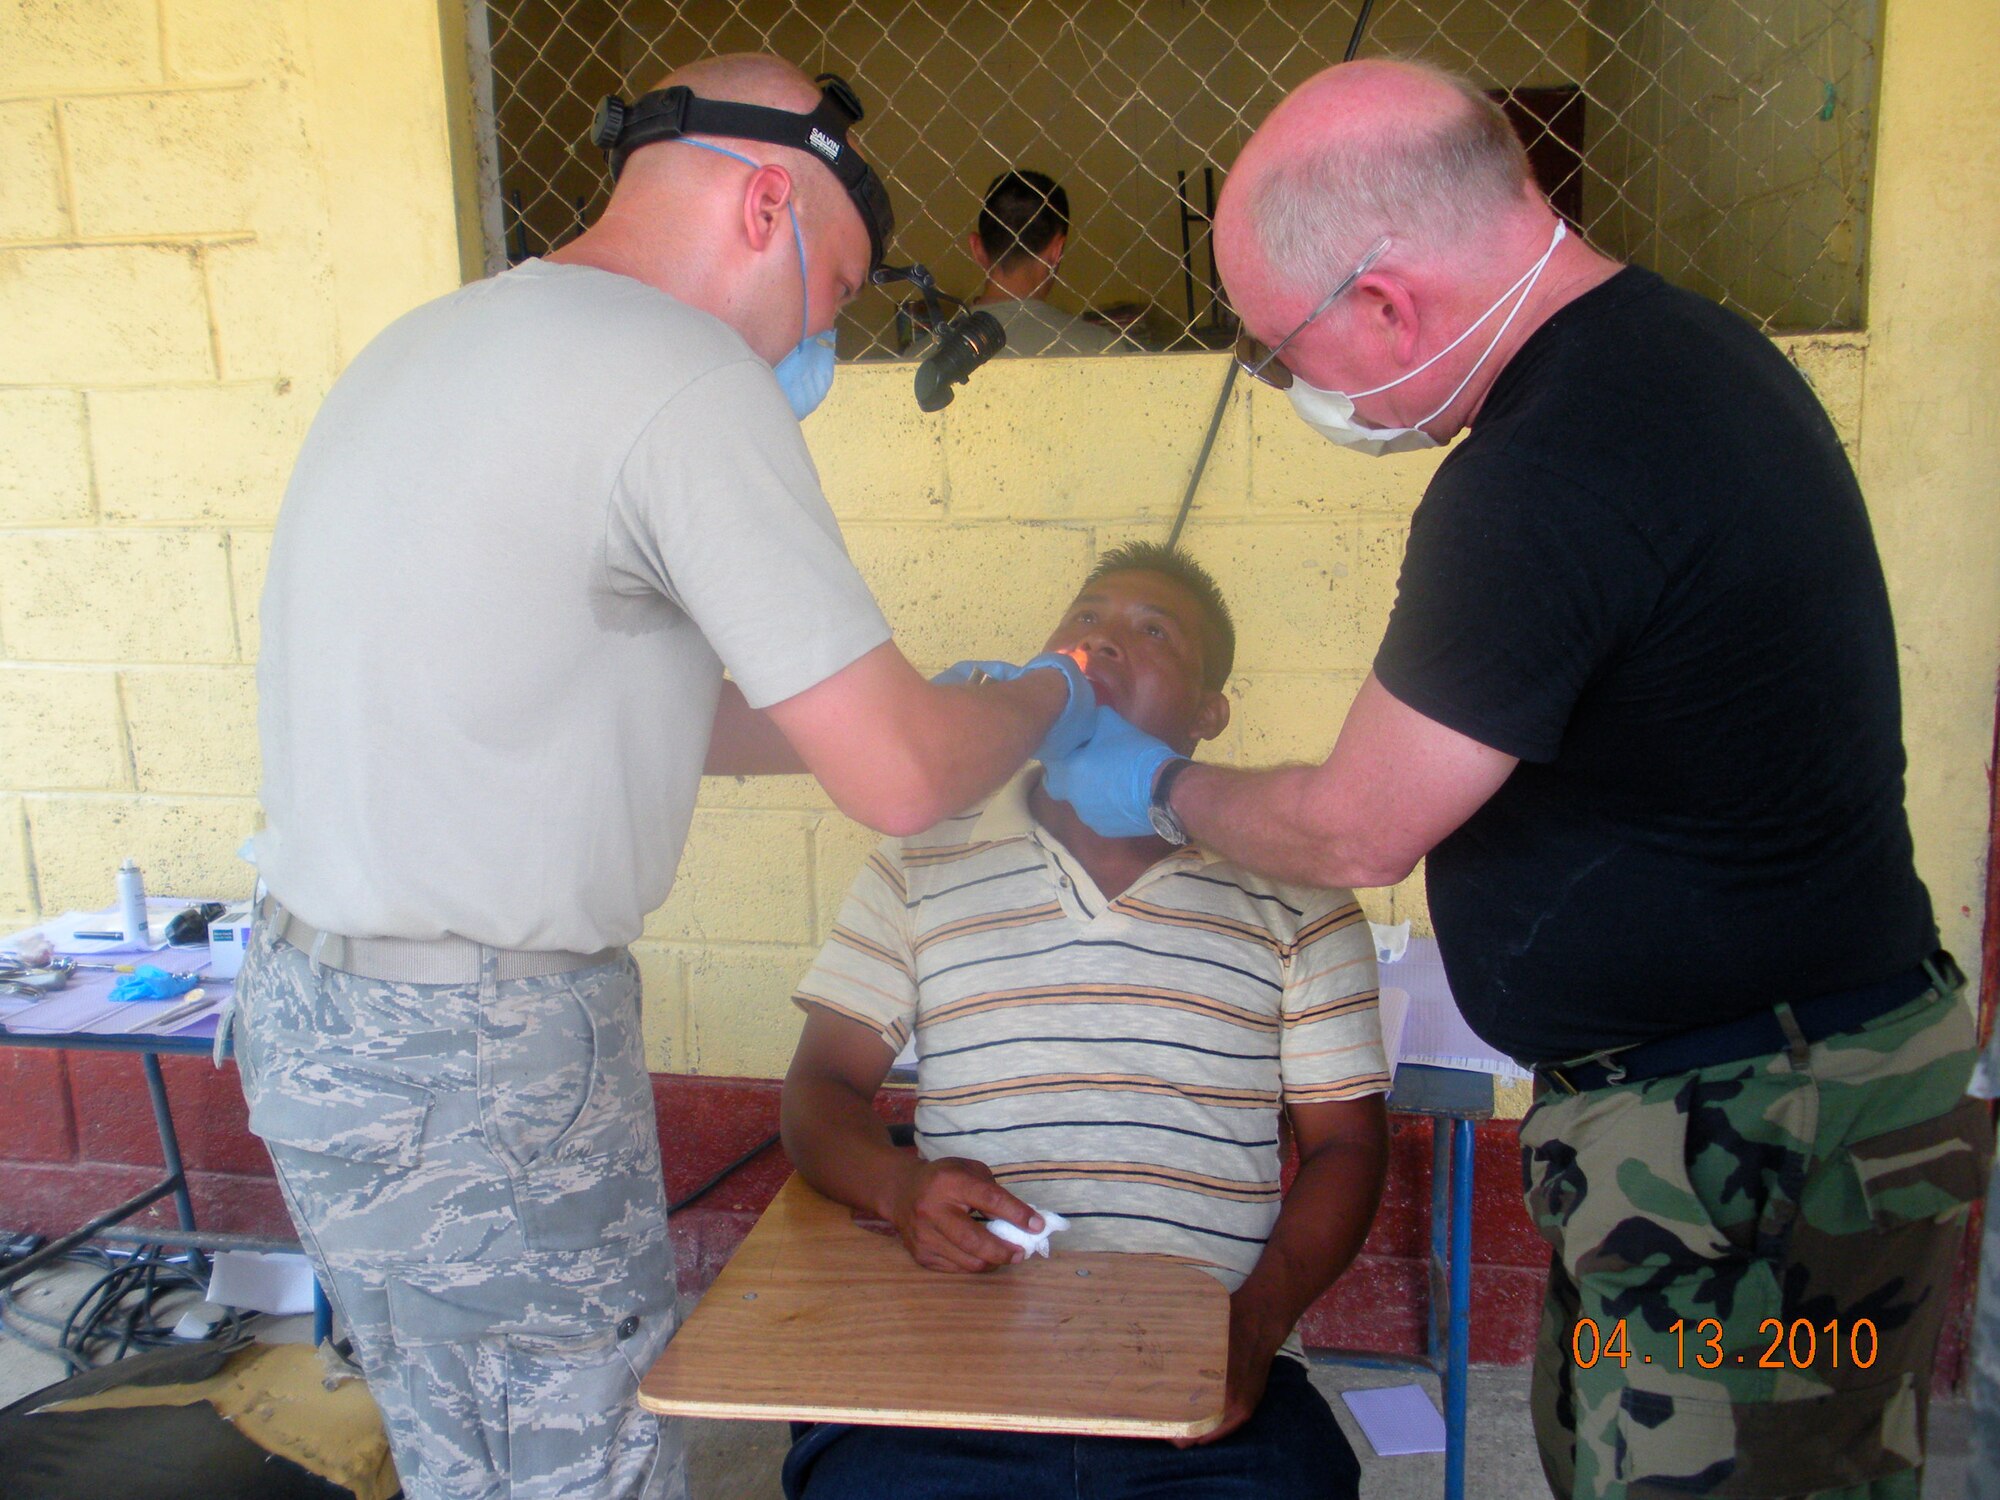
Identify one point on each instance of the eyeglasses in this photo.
(1261, 360)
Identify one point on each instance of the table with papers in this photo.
(82, 1017)
(82, 1014)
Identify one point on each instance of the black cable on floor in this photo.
(123, 1310)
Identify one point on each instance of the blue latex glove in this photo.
(148, 982)
(1072, 726)
(1109, 780)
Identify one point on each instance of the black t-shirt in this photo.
(1648, 573)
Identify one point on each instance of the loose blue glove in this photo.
(965, 671)
(1072, 726)
(1109, 780)
(148, 982)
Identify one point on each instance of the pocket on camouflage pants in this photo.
(1766, 1247)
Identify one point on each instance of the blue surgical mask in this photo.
(1331, 413)
(805, 375)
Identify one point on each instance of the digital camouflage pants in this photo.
(475, 1173)
(1751, 1263)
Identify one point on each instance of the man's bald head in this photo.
(747, 78)
(688, 218)
(751, 78)
(1368, 149)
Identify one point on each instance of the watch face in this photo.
(1167, 826)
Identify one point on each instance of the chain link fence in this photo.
(1723, 143)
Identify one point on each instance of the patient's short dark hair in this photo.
(1218, 655)
(1023, 212)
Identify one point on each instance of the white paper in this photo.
(1986, 1076)
(62, 931)
(165, 1017)
(1034, 1244)
(94, 1015)
(1392, 1006)
(274, 1281)
(1390, 942)
(1434, 1033)
(65, 1011)
(199, 1321)
(1397, 1419)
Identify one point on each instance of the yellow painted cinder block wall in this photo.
(206, 206)
(218, 201)
(975, 527)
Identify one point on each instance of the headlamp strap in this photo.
(667, 114)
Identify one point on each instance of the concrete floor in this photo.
(739, 1460)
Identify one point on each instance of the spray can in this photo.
(132, 903)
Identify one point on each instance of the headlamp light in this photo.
(963, 344)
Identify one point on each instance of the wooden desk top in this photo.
(817, 1319)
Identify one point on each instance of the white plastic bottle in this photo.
(132, 903)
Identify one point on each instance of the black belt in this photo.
(1755, 1036)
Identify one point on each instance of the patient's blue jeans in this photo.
(1290, 1449)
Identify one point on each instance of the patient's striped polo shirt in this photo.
(1119, 1061)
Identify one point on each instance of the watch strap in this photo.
(1165, 823)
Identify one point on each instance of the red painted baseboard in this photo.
(79, 1136)
(76, 1135)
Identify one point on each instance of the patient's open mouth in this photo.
(1107, 690)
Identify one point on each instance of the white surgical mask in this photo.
(1331, 413)
(805, 374)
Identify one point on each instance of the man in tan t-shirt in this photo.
(534, 523)
(1019, 244)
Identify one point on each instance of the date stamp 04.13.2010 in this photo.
(1796, 1345)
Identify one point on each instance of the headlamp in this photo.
(667, 114)
(963, 344)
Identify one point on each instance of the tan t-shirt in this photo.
(531, 525)
(1036, 327)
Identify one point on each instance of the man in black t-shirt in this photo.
(1638, 702)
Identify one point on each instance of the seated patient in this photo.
(1108, 1028)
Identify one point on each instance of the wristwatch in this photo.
(1165, 824)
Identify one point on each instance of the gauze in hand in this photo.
(1033, 1244)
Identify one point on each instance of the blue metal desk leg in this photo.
(170, 1153)
(170, 1144)
(1438, 1316)
(1459, 1350)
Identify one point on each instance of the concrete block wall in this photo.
(181, 277)
(154, 385)
(975, 528)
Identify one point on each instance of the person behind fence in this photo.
(1109, 1029)
(1018, 246)
(1638, 703)
(532, 524)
